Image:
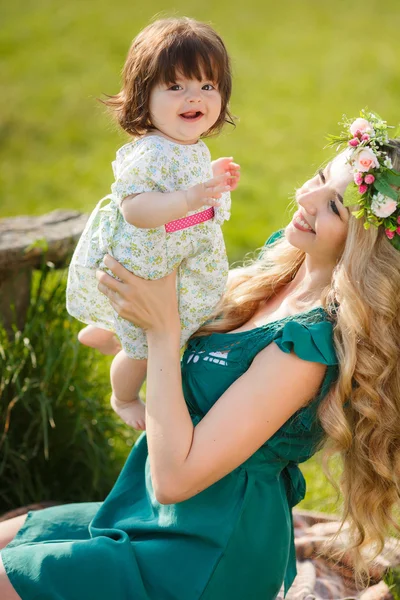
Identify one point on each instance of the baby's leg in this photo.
(127, 377)
(102, 339)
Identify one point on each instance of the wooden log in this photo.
(24, 240)
(15, 289)
(24, 243)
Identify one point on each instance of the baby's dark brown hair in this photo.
(160, 51)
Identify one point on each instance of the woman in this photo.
(202, 507)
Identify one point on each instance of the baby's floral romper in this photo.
(149, 164)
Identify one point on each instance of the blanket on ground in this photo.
(319, 578)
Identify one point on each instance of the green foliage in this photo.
(392, 177)
(392, 580)
(396, 242)
(321, 495)
(384, 187)
(351, 196)
(59, 439)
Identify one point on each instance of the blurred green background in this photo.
(298, 66)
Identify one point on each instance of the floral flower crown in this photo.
(374, 176)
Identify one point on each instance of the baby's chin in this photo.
(177, 137)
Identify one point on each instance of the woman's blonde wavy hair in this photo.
(364, 299)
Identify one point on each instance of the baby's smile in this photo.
(192, 115)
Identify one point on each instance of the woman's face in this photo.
(319, 226)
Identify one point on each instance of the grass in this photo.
(59, 439)
(298, 66)
(392, 580)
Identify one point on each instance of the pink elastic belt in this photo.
(200, 217)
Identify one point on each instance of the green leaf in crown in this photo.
(396, 242)
(385, 188)
(393, 177)
(351, 195)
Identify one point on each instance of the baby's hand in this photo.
(226, 165)
(207, 193)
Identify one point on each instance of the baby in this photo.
(168, 201)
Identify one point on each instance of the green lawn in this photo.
(298, 66)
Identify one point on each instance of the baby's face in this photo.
(185, 109)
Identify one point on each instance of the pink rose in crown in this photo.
(360, 126)
(369, 179)
(390, 234)
(358, 178)
(365, 159)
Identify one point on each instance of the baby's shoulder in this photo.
(156, 152)
(138, 147)
(139, 155)
(160, 144)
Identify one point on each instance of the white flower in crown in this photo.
(364, 160)
(361, 125)
(388, 162)
(383, 206)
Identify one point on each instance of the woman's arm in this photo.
(185, 459)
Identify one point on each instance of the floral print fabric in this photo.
(152, 163)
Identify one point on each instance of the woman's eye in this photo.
(208, 87)
(334, 207)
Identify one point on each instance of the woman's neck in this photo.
(308, 284)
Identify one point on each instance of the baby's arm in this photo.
(153, 209)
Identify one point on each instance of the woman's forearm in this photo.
(169, 427)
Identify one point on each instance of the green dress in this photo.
(234, 540)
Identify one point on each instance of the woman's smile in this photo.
(300, 223)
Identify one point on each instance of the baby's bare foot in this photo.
(133, 413)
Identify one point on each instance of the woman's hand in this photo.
(151, 305)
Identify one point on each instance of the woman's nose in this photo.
(305, 200)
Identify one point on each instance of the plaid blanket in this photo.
(317, 578)
(320, 578)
